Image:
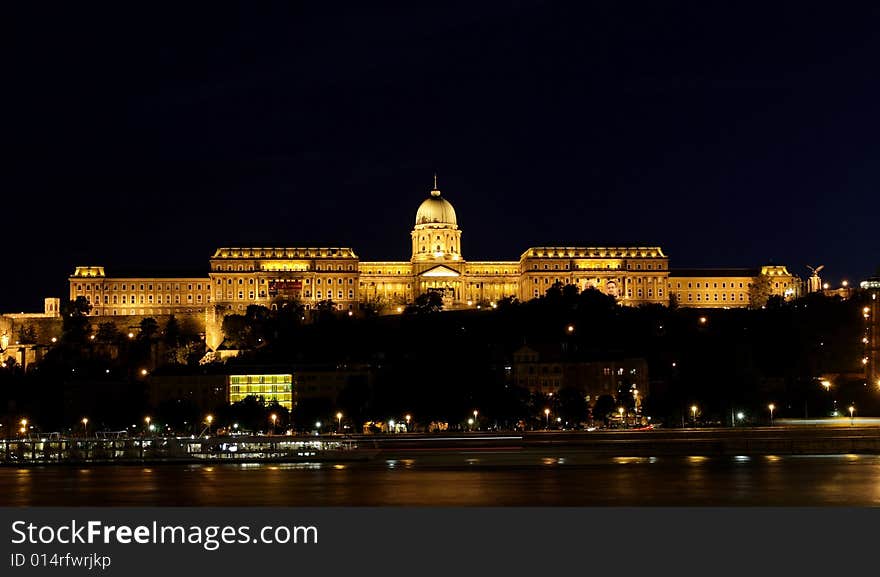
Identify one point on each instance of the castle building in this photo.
(241, 276)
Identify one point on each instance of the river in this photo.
(524, 477)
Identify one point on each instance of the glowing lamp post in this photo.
(408, 418)
(476, 412)
(209, 420)
(771, 406)
(339, 422)
(85, 422)
(274, 418)
(852, 410)
(694, 413)
(620, 412)
(547, 418)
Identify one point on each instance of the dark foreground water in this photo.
(531, 477)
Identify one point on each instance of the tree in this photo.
(572, 405)
(172, 335)
(236, 331)
(760, 291)
(326, 311)
(75, 325)
(603, 407)
(374, 307)
(426, 303)
(107, 333)
(148, 328)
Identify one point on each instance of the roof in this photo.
(200, 274)
(594, 252)
(283, 252)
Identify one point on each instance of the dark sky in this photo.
(140, 136)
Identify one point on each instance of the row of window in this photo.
(606, 267)
(134, 299)
(135, 286)
(252, 268)
(733, 297)
(307, 294)
(117, 312)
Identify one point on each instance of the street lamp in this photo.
(209, 419)
(771, 406)
(274, 419)
(620, 412)
(826, 383)
(547, 417)
(85, 422)
(339, 422)
(408, 417)
(694, 413)
(476, 412)
(851, 418)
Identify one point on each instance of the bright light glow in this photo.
(400, 309)
(570, 328)
(408, 417)
(546, 412)
(144, 372)
(740, 416)
(85, 421)
(845, 283)
(703, 320)
(24, 422)
(851, 409)
(209, 419)
(826, 383)
(620, 410)
(131, 335)
(147, 420)
(470, 421)
(338, 416)
(391, 423)
(54, 340)
(274, 418)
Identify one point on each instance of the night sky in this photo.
(143, 137)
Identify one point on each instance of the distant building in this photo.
(240, 276)
(547, 369)
(729, 288)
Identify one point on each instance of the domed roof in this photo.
(436, 210)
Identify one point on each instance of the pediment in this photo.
(440, 271)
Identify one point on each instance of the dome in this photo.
(436, 210)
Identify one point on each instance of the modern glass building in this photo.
(270, 387)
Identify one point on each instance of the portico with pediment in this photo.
(443, 279)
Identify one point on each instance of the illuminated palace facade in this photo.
(239, 277)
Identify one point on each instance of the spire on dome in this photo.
(435, 191)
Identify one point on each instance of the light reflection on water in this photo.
(456, 478)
